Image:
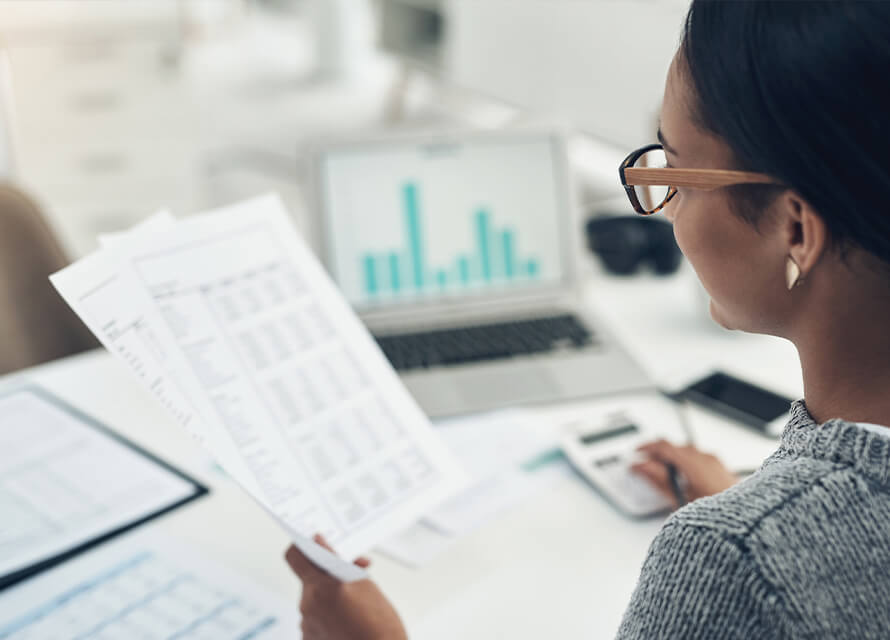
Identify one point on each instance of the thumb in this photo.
(301, 565)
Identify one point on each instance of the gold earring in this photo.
(792, 273)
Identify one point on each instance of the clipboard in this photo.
(45, 448)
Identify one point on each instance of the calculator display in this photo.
(598, 436)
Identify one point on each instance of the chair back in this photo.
(35, 323)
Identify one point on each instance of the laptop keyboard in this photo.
(444, 347)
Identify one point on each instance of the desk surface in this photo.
(561, 564)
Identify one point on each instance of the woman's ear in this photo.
(805, 231)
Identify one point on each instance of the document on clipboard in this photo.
(67, 483)
(233, 324)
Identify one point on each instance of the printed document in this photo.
(233, 324)
(144, 586)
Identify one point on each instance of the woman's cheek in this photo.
(679, 228)
(694, 228)
(694, 247)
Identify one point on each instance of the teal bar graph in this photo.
(415, 238)
(370, 275)
(463, 269)
(507, 252)
(395, 273)
(493, 257)
(483, 243)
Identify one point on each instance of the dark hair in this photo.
(800, 90)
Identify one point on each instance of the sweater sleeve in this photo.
(698, 583)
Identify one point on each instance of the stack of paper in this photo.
(508, 455)
(232, 323)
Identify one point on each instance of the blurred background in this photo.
(111, 109)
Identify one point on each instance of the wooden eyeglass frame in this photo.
(705, 179)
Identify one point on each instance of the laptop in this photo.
(460, 252)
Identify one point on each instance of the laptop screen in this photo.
(411, 222)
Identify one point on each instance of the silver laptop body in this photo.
(566, 372)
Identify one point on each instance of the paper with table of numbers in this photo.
(144, 586)
(234, 325)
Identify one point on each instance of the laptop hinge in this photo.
(444, 314)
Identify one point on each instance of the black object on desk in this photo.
(625, 243)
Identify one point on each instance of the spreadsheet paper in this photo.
(234, 325)
(145, 587)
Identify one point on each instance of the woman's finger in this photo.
(362, 561)
(657, 475)
(655, 471)
(665, 452)
(319, 539)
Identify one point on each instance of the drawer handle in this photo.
(104, 163)
(96, 101)
(88, 52)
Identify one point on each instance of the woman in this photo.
(782, 110)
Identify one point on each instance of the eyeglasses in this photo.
(650, 184)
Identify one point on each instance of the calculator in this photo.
(603, 448)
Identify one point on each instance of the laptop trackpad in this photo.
(527, 384)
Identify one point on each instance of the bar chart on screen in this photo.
(493, 256)
(412, 221)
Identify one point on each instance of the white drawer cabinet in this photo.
(105, 132)
(69, 62)
(106, 161)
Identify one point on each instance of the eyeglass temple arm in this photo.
(695, 178)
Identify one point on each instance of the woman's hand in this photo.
(703, 473)
(334, 610)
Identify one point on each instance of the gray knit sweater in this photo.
(801, 549)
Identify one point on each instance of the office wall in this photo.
(597, 63)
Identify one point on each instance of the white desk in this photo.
(560, 565)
